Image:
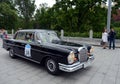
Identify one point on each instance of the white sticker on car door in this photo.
(27, 50)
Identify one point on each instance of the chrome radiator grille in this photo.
(82, 55)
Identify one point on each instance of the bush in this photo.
(117, 30)
(86, 34)
(116, 24)
(97, 35)
(76, 34)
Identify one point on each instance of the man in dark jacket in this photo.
(112, 36)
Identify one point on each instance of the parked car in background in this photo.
(44, 46)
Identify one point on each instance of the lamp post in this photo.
(109, 15)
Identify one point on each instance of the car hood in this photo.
(64, 45)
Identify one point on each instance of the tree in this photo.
(8, 16)
(73, 15)
(26, 10)
(43, 17)
(116, 14)
(79, 15)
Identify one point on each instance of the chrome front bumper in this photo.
(76, 66)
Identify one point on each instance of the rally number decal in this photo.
(27, 50)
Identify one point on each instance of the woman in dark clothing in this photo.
(112, 36)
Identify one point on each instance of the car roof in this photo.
(34, 30)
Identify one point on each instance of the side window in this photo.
(20, 36)
(38, 37)
(29, 36)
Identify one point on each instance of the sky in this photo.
(49, 2)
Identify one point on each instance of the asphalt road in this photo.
(104, 70)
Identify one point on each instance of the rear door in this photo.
(19, 42)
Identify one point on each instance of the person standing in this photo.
(112, 35)
(2, 31)
(4, 34)
(0, 34)
(105, 38)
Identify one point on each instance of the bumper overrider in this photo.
(76, 66)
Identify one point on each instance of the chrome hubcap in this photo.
(51, 65)
(11, 52)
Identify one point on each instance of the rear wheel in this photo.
(11, 53)
(52, 66)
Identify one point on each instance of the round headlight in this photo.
(71, 57)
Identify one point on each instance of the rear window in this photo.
(26, 36)
(20, 36)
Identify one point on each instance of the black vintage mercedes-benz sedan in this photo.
(44, 46)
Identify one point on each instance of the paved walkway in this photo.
(104, 70)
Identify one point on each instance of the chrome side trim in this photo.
(27, 58)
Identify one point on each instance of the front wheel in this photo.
(11, 53)
(52, 66)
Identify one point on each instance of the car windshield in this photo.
(47, 36)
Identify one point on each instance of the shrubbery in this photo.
(117, 30)
(95, 34)
(76, 34)
(85, 34)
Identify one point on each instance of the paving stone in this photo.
(97, 78)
